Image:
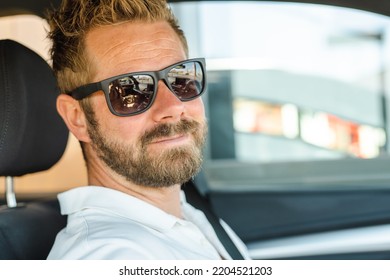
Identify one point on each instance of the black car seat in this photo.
(32, 138)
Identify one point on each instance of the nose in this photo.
(167, 106)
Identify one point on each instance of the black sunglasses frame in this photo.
(86, 90)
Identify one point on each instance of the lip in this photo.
(176, 139)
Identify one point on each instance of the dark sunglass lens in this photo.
(131, 94)
(186, 80)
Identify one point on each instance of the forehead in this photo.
(132, 46)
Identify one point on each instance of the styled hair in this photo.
(70, 23)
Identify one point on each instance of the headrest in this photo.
(33, 137)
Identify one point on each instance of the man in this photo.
(139, 145)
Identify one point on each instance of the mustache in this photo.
(165, 130)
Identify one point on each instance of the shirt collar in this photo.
(117, 203)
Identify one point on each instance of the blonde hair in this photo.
(74, 18)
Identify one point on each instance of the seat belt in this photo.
(201, 202)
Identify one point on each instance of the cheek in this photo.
(126, 129)
(195, 109)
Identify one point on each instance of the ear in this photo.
(73, 116)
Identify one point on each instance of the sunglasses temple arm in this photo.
(84, 91)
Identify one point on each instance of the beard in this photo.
(162, 168)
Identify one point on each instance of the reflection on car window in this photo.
(291, 81)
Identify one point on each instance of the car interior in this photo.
(329, 204)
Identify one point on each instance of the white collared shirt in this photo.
(107, 224)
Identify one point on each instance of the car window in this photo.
(28, 30)
(291, 82)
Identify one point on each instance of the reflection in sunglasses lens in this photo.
(131, 94)
(186, 80)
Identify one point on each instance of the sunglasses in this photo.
(134, 93)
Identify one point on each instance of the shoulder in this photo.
(95, 235)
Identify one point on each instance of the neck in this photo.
(165, 198)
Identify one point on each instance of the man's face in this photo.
(162, 146)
